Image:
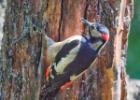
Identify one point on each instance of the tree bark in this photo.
(27, 21)
(21, 50)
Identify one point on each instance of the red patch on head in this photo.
(105, 37)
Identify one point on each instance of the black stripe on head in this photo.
(65, 50)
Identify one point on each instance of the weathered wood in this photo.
(21, 50)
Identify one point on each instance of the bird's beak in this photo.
(86, 22)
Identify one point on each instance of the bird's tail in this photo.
(50, 90)
(49, 93)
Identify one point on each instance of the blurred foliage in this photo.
(133, 58)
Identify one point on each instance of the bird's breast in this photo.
(85, 56)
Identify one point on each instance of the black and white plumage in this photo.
(70, 58)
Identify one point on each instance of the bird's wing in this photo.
(53, 50)
(62, 48)
(66, 55)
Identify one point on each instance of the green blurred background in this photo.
(133, 58)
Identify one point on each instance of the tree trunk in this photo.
(21, 50)
(27, 21)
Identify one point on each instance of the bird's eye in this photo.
(98, 29)
(92, 27)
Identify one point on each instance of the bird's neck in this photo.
(95, 42)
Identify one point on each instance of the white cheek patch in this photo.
(95, 33)
(62, 64)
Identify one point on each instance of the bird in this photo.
(70, 58)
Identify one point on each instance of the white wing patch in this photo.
(67, 60)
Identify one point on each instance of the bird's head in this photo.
(97, 30)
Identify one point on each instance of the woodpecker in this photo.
(70, 58)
